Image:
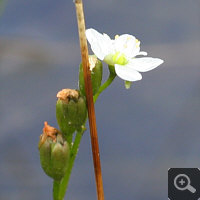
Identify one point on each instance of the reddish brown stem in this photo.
(89, 97)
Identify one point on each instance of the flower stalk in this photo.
(62, 188)
(110, 79)
(56, 187)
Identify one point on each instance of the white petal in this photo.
(127, 73)
(101, 45)
(106, 36)
(127, 44)
(142, 53)
(144, 64)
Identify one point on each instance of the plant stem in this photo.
(74, 151)
(56, 186)
(69, 139)
(106, 84)
(89, 98)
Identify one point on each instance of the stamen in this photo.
(137, 43)
(116, 36)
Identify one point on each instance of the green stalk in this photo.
(69, 139)
(74, 151)
(56, 186)
(107, 83)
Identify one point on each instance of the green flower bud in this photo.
(71, 111)
(127, 84)
(96, 75)
(54, 152)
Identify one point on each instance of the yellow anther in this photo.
(116, 36)
(137, 43)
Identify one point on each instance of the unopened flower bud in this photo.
(71, 111)
(127, 84)
(54, 152)
(96, 70)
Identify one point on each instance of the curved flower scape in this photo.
(121, 53)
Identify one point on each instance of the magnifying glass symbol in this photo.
(182, 182)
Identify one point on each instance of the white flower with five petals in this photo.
(121, 53)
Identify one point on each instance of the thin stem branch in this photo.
(105, 85)
(56, 187)
(74, 151)
(89, 98)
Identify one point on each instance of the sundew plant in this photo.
(58, 147)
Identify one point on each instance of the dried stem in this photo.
(89, 97)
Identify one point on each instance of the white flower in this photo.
(121, 53)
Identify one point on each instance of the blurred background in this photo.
(142, 131)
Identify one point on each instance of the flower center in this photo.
(119, 58)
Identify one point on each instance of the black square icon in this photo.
(184, 184)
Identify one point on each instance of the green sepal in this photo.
(96, 76)
(81, 113)
(59, 160)
(127, 84)
(71, 114)
(63, 118)
(54, 157)
(45, 155)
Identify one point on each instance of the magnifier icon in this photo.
(182, 182)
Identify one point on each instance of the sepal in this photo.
(96, 70)
(54, 152)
